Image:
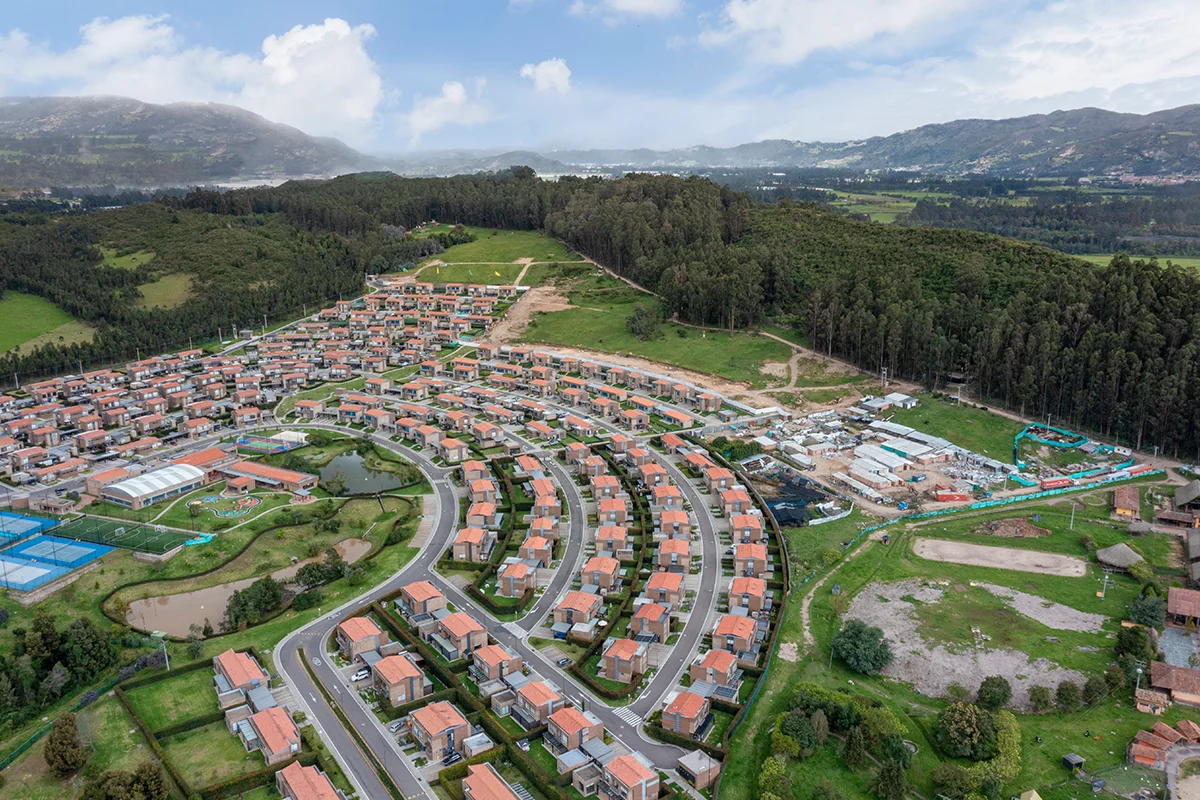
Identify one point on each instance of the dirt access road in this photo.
(977, 555)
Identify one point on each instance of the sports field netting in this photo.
(266, 445)
(57, 551)
(18, 526)
(130, 535)
(21, 575)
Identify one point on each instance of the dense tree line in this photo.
(1075, 222)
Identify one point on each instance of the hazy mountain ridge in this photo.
(117, 140)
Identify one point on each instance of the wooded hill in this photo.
(1114, 348)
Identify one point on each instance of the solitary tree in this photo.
(995, 692)
(1068, 695)
(862, 647)
(63, 753)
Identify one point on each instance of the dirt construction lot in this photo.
(977, 555)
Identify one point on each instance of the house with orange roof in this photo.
(420, 597)
(272, 732)
(578, 608)
(734, 634)
(474, 470)
(666, 498)
(601, 571)
(674, 524)
(482, 782)
(749, 560)
(235, 674)
(536, 701)
(665, 588)
(746, 529)
(688, 714)
(483, 515)
(747, 593)
(630, 778)
(612, 540)
(440, 729)
(484, 490)
(718, 479)
(516, 578)
(544, 526)
(298, 782)
(569, 728)
(493, 661)
(718, 667)
(473, 544)
(537, 549)
(400, 680)
(457, 635)
(613, 511)
(735, 501)
(675, 555)
(651, 621)
(358, 635)
(623, 660)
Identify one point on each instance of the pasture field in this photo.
(168, 291)
(500, 274)
(981, 431)
(127, 260)
(500, 246)
(176, 699)
(600, 324)
(209, 754)
(27, 317)
(1191, 262)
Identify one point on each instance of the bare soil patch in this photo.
(1051, 614)
(930, 668)
(789, 651)
(545, 298)
(976, 555)
(775, 369)
(1013, 528)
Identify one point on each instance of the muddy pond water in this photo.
(359, 479)
(176, 613)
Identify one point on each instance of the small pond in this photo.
(358, 477)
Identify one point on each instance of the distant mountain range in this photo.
(78, 141)
(93, 141)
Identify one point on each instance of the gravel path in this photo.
(978, 555)
(930, 668)
(1051, 614)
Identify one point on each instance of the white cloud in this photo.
(453, 106)
(316, 77)
(788, 31)
(553, 74)
(616, 11)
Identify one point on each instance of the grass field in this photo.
(506, 247)
(73, 332)
(474, 273)
(600, 324)
(130, 260)
(117, 743)
(879, 207)
(27, 317)
(208, 754)
(168, 291)
(1191, 262)
(977, 430)
(176, 699)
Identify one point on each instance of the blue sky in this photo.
(390, 77)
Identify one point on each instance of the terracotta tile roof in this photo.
(745, 521)
(738, 627)
(461, 623)
(751, 586)
(422, 591)
(539, 694)
(688, 705)
(613, 532)
(516, 570)
(668, 581)
(602, 564)
(275, 729)
(1148, 738)
(1189, 729)
(1175, 679)
(1167, 732)
(623, 649)
(628, 770)
(492, 654)
(357, 628)
(747, 551)
(570, 720)
(579, 601)
(673, 517)
(438, 717)
(1146, 752)
(394, 669)
(308, 783)
(720, 660)
(679, 546)
(469, 536)
(484, 783)
(651, 611)
(536, 542)
(240, 668)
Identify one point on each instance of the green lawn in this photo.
(26, 317)
(168, 291)
(980, 431)
(117, 745)
(208, 754)
(129, 260)
(808, 545)
(174, 700)
(505, 247)
(600, 324)
(544, 758)
(474, 273)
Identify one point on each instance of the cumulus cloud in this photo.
(454, 106)
(788, 31)
(616, 11)
(553, 74)
(317, 77)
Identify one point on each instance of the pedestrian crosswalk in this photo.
(515, 629)
(628, 716)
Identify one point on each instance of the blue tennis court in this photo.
(18, 526)
(22, 575)
(56, 551)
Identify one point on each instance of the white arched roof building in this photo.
(154, 486)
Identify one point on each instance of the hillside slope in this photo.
(72, 141)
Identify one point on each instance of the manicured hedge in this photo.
(408, 708)
(190, 724)
(147, 680)
(251, 780)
